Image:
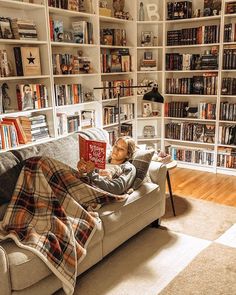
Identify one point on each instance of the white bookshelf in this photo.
(41, 13)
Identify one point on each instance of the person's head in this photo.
(123, 150)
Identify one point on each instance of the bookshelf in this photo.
(146, 55)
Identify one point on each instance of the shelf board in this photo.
(24, 113)
(116, 47)
(155, 138)
(68, 44)
(148, 72)
(225, 71)
(114, 19)
(69, 13)
(76, 104)
(21, 5)
(226, 146)
(117, 73)
(194, 19)
(193, 71)
(189, 119)
(189, 142)
(13, 78)
(229, 43)
(150, 22)
(149, 118)
(149, 47)
(192, 45)
(228, 15)
(191, 95)
(18, 41)
(227, 122)
(228, 96)
(116, 99)
(75, 75)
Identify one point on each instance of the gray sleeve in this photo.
(119, 185)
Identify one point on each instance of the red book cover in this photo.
(93, 150)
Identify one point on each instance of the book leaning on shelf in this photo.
(93, 150)
(8, 135)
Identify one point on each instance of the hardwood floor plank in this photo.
(218, 188)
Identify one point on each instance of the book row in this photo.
(229, 32)
(226, 161)
(229, 59)
(179, 10)
(200, 35)
(75, 5)
(80, 32)
(22, 129)
(110, 113)
(228, 86)
(185, 62)
(68, 123)
(205, 84)
(190, 132)
(181, 109)
(115, 60)
(227, 134)
(113, 88)
(227, 111)
(196, 156)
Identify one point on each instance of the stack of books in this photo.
(39, 127)
(24, 29)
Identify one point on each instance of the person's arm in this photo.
(118, 185)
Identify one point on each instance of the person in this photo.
(119, 174)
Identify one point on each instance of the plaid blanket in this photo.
(47, 215)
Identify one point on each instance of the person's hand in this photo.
(105, 173)
(85, 167)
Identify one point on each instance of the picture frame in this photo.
(149, 131)
(147, 109)
(6, 31)
(147, 38)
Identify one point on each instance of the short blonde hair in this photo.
(130, 144)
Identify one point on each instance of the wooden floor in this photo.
(218, 188)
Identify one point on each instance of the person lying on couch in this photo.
(119, 173)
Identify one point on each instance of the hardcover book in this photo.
(31, 61)
(93, 150)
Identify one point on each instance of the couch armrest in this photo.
(5, 281)
(157, 172)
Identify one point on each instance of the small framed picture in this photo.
(5, 28)
(147, 109)
(149, 131)
(148, 55)
(147, 38)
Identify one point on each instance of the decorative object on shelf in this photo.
(103, 8)
(147, 38)
(118, 6)
(152, 12)
(141, 14)
(192, 112)
(6, 28)
(147, 109)
(149, 131)
(212, 7)
(6, 100)
(154, 95)
(148, 63)
(197, 12)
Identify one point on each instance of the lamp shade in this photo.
(154, 95)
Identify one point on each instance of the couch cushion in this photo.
(64, 149)
(141, 161)
(9, 172)
(26, 268)
(116, 215)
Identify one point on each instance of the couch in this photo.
(22, 272)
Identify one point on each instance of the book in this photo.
(31, 61)
(93, 150)
(19, 130)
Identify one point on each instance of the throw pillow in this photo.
(141, 161)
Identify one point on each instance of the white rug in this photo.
(144, 265)
(229, 237)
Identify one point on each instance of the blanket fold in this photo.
(47, 215)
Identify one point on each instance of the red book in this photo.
(20, 131)
(93, 150)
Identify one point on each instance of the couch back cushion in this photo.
(65, 149)
(10, 168)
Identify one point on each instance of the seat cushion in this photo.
(116, 215)
(26, 268)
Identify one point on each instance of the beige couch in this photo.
(22, 272)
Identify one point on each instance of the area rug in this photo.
(198, 218)
(213, 271)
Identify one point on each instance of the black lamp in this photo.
(154, 95)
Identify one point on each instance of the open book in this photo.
(93, 150)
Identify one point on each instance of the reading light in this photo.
(154, 95)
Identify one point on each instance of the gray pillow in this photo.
(141, 161)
